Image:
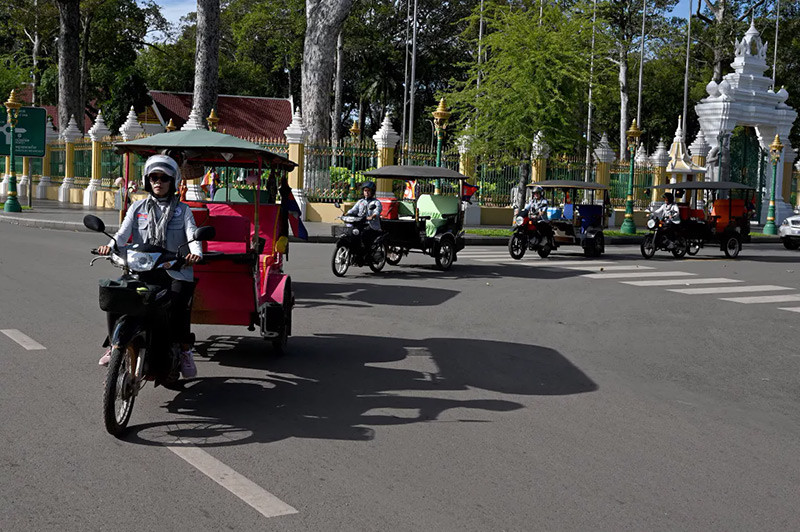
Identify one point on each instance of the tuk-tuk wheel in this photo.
(446, 254)
(694, 248)
(393, 255)
(732, 246)
(544, 251)
(681, 247)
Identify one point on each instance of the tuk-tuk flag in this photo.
(410, 191)
(293, 209)
(467, 191)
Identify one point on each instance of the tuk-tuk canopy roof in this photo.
(565, 183)
(704, 185)
(415, 172)
(207, 148)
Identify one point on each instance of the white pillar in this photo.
(386, 139)
(193, 190)
(51, 135)
(97, 133)
(296, 139)
(69, 135)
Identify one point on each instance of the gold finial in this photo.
(171, 126)
(441, 115)
(776, 148)
(13, 103)
(212, 120)
(354, 130)
(634, 132)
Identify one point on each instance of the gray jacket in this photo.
(179, 231)
(368, 207)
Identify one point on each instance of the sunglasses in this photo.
(155, 178)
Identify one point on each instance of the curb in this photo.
(470, 240)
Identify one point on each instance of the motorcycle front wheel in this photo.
(517, 245)
(377, 259)
(648, 246)
(340, 260)
(544, 251)
(120, 389)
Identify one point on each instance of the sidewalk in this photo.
(50, 214)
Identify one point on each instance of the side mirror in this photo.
(204, 233)
(94, 223)
(337, 204)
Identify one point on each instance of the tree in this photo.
(324, 19)
(206, 70)
(69, 80)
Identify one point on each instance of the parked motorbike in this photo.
(143, 349)
(531, 232)
(352, 250)
(659, 239)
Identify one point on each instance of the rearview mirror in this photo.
(204, 233)
(337, 204)
(94, 223)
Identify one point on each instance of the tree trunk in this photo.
(206, 62)
(87, 25)
(623, 102)
(69, 81)
(37, 46)
(338, 85)
(324, 19)
(524, 179)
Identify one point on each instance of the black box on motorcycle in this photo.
(338, 230)
(124, 297)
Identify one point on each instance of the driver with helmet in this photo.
(369, 207)
(671, 215)
(538, 204)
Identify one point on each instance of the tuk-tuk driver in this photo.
(369, 207)
(538, 205)
(671, 215)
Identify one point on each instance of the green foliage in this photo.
(12, 75)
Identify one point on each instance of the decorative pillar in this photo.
(603, 157)
(193, 190)
(51, 135)
(386, 140)
(24, 183)
(659, 160)
(775, 153)
(699, 151)
(797, 190)
(296, 138)
(628, 226)
(642, 160)
(466, 161)
(129, 130)
(12, 106)
(6, 175)
(540, 151)
(97, 133)
(789, 156)
(69, 135)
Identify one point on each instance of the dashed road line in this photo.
(790, 309)
(630, 275)
(676, 282)
(628, 267)
(763, 299)
(730, 289)
(22, 339)
(245, 489)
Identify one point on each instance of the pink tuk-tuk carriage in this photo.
(240, 280)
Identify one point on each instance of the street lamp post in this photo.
(628, 226)
(775, 150)
(354, 132)
(440, 117)
(12, 106)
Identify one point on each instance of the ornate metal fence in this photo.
(568, 167)
(618, 186)
(328, 169)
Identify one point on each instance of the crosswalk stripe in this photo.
(611, 268)
(22, 339)
(625, 275)
(790, 309)
(675, 282)
(547, 263)
(730, 289)
(763, 299)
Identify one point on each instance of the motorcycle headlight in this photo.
(141, 262)
(651, 223)
(518, 220)
(356, 232)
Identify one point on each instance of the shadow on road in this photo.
(346, 294)
(343, 387)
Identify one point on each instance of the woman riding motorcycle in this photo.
(162, 220)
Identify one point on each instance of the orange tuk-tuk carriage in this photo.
(240, 280)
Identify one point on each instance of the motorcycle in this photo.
(531, 232)
(351, 250)
(143, 349)
(658, 239)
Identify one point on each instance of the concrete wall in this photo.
(322, 212)
(496, 215)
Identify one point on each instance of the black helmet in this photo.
(368, 184)
(669, 197)
(538, 189)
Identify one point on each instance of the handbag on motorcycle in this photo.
(124, 296)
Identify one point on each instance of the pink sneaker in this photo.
(106, 358)
(188, 367)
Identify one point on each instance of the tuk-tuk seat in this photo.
(553, 213)
(439, 209)
(590, 215)
(568, 211)
(725, 210)
(232, 234)
(405, 209)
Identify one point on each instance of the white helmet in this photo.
(164, 164)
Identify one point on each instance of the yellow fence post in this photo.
(296, 139)
(660, 160)
(70, 134)
(540, 151)
(97, 133)
(699, 150)
(386, 140)
(603, 157)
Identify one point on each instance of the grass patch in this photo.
(24, 207)
(489, 232)
(609, 232)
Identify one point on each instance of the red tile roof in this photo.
(241, 116)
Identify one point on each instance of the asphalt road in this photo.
(501, 395)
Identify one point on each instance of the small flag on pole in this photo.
(467, 191)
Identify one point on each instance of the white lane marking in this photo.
(260, 499)
(630, 267)
(25, 341)
(675, 282)
(763, 299)
(790, 309)
(634, 275)
(730, 289)
(547, 263)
